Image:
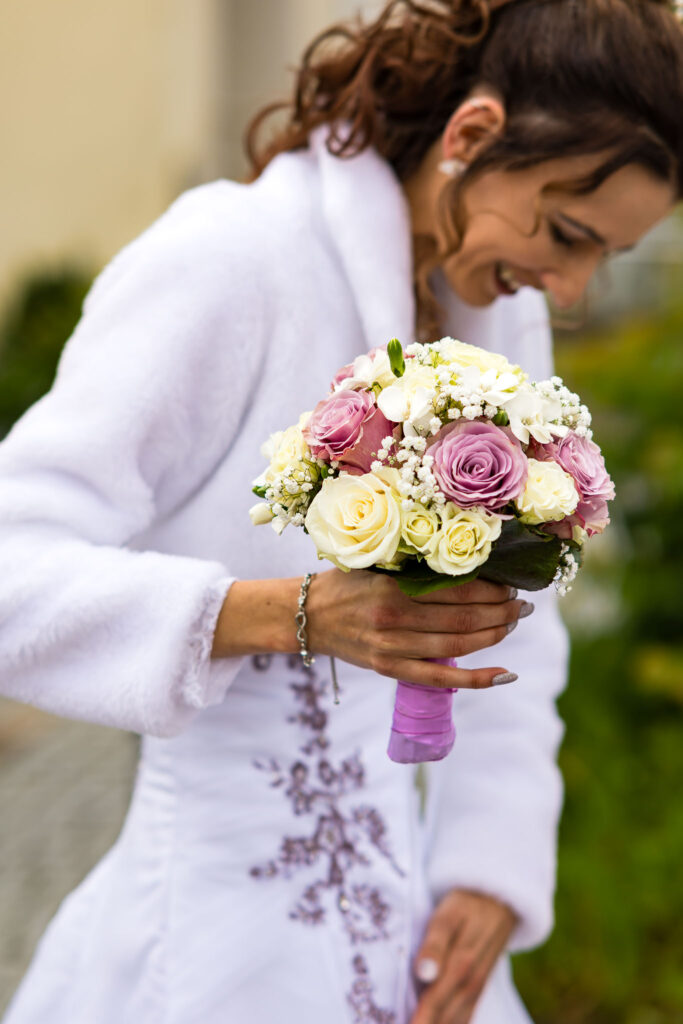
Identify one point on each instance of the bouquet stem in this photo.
(422, 727)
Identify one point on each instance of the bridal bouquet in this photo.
(439, 465)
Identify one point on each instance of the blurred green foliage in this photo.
(615, 955)
(32, 335)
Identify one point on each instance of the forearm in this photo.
(257, 617)
(364, 619)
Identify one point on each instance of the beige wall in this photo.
(104, 114)
(109, 110)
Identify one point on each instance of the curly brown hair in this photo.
(576, 77)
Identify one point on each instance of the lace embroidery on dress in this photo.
(361, 997)
(339, 841)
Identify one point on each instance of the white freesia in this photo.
(261, 514)
(498, 388)
(550, 494)
(464, 541)
(530, 414)
(411, 397)
(369, 370)
(490, 385)
(355, 521)
(419, 529)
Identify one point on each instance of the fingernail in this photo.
(513, 593)
(526, 610)
(504, 677)
(427, 970)
(512, 625)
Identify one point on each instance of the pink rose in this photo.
(479, 463)
(583, 460)
(347, 427)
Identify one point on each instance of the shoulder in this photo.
(222, 235)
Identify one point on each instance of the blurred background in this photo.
(108, 112)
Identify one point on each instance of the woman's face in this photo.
(517, 233)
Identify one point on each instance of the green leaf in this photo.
(259, 490)
(396, 360)
(523, 558)
(418, 579)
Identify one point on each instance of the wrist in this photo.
(257, 617)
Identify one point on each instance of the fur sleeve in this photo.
(149, 393)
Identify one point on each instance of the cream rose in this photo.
(550, 494)
(286, 450)
(464, 541)
(355, 521)
(419, 530)
(452, 351)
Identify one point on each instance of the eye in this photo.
(560, 237)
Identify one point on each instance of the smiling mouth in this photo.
(506, 279)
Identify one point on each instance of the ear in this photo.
(474, 125)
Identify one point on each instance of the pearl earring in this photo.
(452, 168)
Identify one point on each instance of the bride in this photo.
(438, 170)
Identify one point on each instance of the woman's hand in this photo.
(364, 618)
(464, 938)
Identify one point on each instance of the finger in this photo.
(428, 673)
(459, 1010)
(453, 996)
(442, 931)
(439, 645)
(474, 592)
(445, 618)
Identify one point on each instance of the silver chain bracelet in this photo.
(301, 623)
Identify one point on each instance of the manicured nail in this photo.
(427, 970)
(513, 593)
(504, 677)
(526, 609)
(511, 626)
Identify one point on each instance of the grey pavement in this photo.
(64, 789)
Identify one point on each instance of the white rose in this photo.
(260, 514)
(410, 397)
(550, 494)
(464, 541)
(420, 529)
(355, 521)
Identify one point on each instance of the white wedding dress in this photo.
(274, 865)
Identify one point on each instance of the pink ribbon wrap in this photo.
(422, 728)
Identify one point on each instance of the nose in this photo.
(567, 283)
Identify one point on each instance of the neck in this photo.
(422, 191)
